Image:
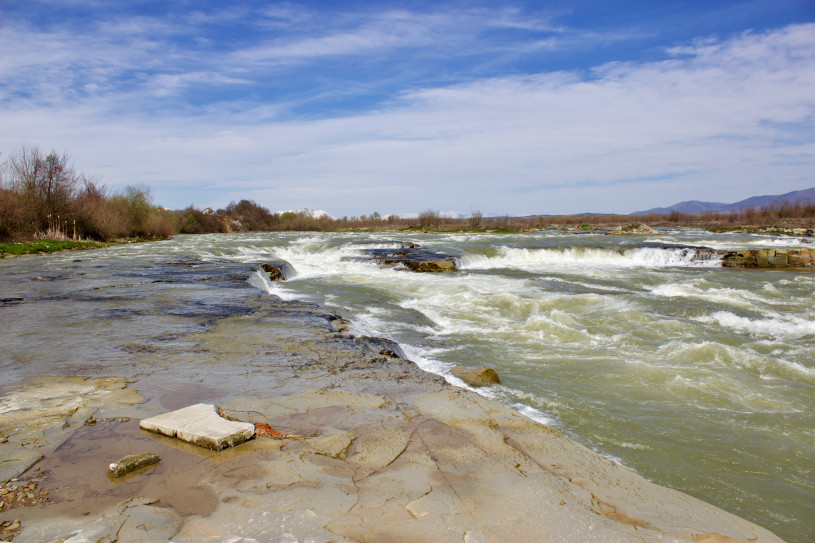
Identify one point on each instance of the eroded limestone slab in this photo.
(200, 425)
(42, 412)
(136, 520)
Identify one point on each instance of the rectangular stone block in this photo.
(200, 425)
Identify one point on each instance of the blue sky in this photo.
(397, 107)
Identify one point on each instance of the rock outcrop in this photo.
(476, 377)
(633, 229)
(770, 258)
(412, 257)
(278, 271)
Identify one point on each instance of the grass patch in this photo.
(45, 246)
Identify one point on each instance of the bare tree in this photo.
(45, 185)
(429, 217)
(475, 219)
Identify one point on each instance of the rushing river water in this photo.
(698, 377)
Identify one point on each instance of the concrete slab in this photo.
(200, 425)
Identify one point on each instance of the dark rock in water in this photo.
(413, 258)
(770, 258)
(279, 271)
(382, 346)
(476, 377)
(338, 323)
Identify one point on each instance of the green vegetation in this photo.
(45, 246)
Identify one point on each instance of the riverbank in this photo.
(385, 450)
(48, 246)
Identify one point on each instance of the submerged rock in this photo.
(131, 463)
(476, 377)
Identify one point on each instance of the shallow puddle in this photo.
(172, 393)
(186, 479)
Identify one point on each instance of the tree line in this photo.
(44, 196)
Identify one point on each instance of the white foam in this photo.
(724, 295)
(261, 281)
(571, 257)
(783, 326)
(534, 414)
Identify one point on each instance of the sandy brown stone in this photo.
(131, 463)
(476, 377)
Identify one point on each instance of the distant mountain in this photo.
(694, 206)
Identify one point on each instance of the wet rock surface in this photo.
(770, 258)
(777, 258)
(278, 271)
(632, 229)
(131, 463)
(412, 257)
(373, 448)
(476, 377)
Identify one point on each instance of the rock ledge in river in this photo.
(632, 229)
(279, 271)
(412, 257)
(770, 258)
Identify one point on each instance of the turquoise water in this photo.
(699, 378)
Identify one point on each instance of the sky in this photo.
(505, 108)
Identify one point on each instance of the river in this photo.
(698, 377)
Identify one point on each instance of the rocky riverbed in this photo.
(375, 450)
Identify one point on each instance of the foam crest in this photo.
(579, 257)
(261, 281)
(780, 326)
(724, 295)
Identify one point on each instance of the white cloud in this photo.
(716, 120)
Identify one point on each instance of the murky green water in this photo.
(698, 377)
